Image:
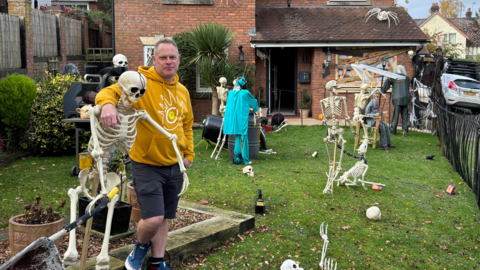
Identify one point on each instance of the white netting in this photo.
(424, 121)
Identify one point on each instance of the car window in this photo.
(467, 84)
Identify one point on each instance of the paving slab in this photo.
(193, 239)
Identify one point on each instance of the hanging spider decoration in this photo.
(383, 15)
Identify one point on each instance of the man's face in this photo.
(166, 61)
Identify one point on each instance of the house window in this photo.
(202, 87)
(450, 38)
(147, 55)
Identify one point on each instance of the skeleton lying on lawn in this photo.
(132, 86)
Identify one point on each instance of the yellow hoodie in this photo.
(169, 105)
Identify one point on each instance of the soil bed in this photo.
(184, 218)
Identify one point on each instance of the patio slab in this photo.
(193, 239)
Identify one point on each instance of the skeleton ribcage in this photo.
(107, 137)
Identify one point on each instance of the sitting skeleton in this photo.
(332, 106)
(359, 169)
(361, 101)
(132, 86)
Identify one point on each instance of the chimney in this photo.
(435, 8)
(468, 15)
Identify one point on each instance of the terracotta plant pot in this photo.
(304, 113)
(132, 199)
(22, 235)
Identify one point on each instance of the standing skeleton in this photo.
(332, 106)
(361, 101)
(132, 86)
(223, 94)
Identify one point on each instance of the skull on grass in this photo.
(119, 60)
(290, 265)
(248, 170)
(374, 213)
(133, 85)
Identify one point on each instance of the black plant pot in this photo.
(120, 219)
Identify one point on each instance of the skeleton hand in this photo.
(329, 265)
(323, 234)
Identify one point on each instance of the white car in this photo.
(461, 91)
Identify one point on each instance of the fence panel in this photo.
(459, 137)
(73, 31)
(44, 34)
(10, 46)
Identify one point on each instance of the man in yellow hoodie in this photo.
(156, 174)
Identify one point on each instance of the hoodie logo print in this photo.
(170, 112)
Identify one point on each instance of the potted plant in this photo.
(26, 228)
(304, 109)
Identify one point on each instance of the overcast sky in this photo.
(419, 8)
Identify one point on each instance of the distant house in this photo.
(92, 5)
(454, 30)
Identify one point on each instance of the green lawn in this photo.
(421, 226)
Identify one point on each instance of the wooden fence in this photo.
(73, 30)
(10, 55)
(44, 34)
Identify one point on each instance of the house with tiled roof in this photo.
(454, 30)
(289, 42)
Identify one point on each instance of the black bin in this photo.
(120, 219)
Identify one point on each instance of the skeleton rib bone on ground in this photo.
(132, 86)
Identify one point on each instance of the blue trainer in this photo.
(162, 266)
(136, 257)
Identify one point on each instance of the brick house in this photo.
(295, 36)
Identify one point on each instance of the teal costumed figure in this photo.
(400, 99)
(238, 107)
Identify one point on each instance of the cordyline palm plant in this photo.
(211, 40)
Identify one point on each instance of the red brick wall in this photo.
(93, 6)
(299, 3)
(134, 19)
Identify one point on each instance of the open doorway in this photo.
(281, 83)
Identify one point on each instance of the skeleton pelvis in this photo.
(112, 181)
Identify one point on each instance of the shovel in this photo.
(43, 254)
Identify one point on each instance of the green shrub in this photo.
(187, 73)
(305, 100)
(107, 16)
(16, 96)
(48, 134)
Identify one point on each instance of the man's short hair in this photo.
(165, 40)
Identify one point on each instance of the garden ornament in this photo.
(323, 234)
(119, 60)
(71, 69)
(361, 101)
(223, 95)
(332, 106)
(248, 170)
(383, 15)
(374, 213)
(410, 54)
(290, 265)
(132, 85)
(359, 169)
(282, 125)
(84, 111)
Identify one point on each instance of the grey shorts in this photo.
(157, 188)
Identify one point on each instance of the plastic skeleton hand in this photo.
(324, 236)
(329, 265)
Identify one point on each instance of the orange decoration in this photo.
(320, 117)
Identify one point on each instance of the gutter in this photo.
(297, 44)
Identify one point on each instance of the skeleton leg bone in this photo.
(218, 140)
(103, 259)
(221, 147)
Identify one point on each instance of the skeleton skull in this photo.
(332, 86)
(113, 79)
(374, 213)
(290, 265)
(248, 170)
(119, 60)
(84, 111)
(133, 85)
(410, 54)
(223, 81)
(364, 88)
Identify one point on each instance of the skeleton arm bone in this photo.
(347, 118)
(97, 151)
